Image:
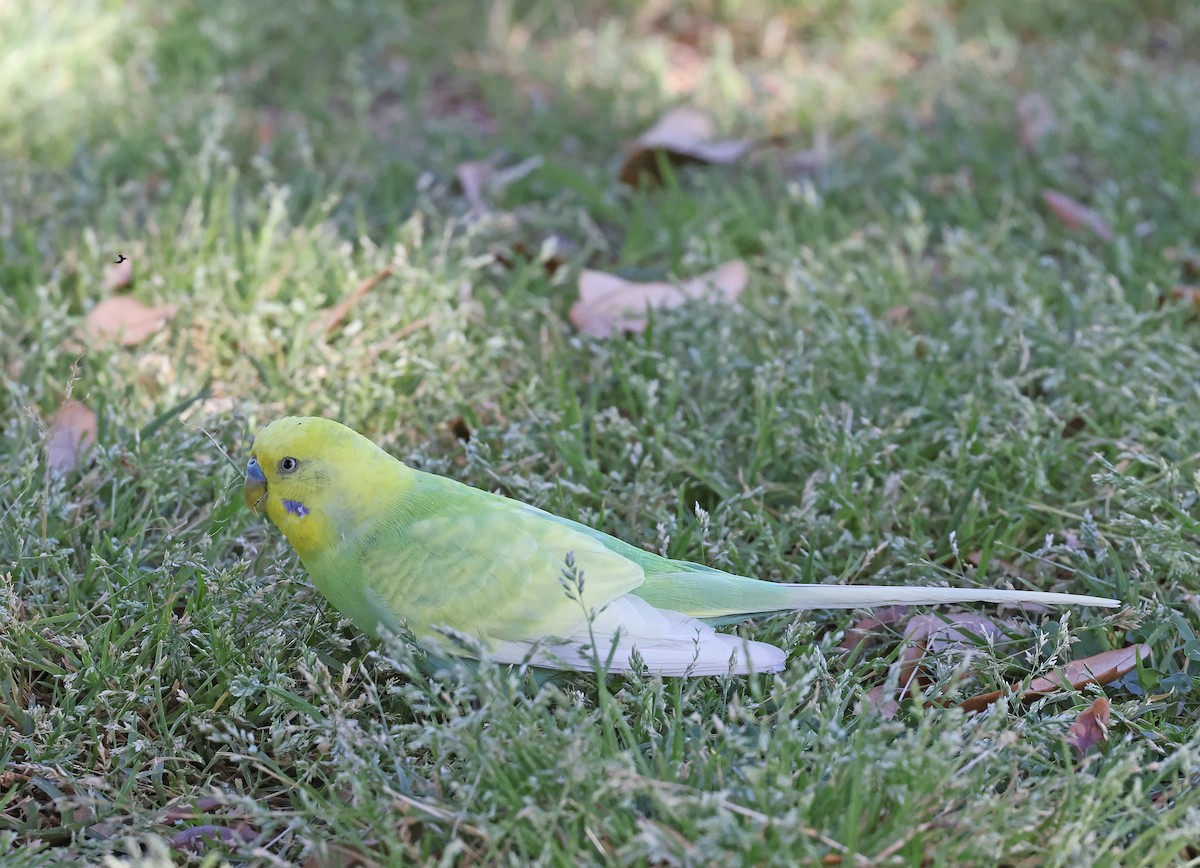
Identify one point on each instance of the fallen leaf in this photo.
(72, 436)
(126, 320)
(266, 126)
(954, 630)
(334, 316)
(1097, 669)
(1188, 293)
(552, 253)
(860, 629)
(682, 135)
(1036, 118)
(473, 176)
(884, 704)
(331, 855)
(933, 634)
(814, 159)
(460, 429)
(1188, 260)
(609, 305)
(1075, 214)
(1073, 426)
(460, 100)
(1090, 727)
(119, 275)
(198, 839)
(1100, 668)
(202, 806)
(943, 186)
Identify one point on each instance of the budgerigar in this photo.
(391, 546)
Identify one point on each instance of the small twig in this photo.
(333, 318)
(395, 337)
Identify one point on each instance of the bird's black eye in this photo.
(288, 465)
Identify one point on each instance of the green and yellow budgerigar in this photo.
(391, 546)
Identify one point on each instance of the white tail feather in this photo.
(669, 643)
(853, 596)
(674, 644)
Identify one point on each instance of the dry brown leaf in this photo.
(330, 855)
(860, 629)
(202, 806)
(119, 275)
(1090, 727)
(473, 176)
(334, 316)
(552, 253)
(682, 135)
(1097, 669)
(946, 185)
(933, 634)
(954, 630)
(1036, 118)
(884, 704)
(127, 320)
(609, 305)
(1188, 293)
(460, 100)
(460, 429)
(199, 839)
(685, 66)
(1076, 215)
(814, 159)
(72, 436)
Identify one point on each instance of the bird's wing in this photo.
(488, 567)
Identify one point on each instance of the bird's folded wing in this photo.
(493, 570)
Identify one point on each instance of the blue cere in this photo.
(295, 507)
(254, 472)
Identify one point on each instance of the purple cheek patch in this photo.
(295, 507)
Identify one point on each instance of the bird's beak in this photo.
(255, 486)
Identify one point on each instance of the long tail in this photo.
(853, 596)
(722, 597)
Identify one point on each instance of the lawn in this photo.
(966, 352)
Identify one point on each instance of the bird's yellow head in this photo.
(315, 478)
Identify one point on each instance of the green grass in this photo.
(164, 661)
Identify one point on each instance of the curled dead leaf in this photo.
(952, 630)
(329, 854)
(1076, 215)
(199, 839)
(934, 634)
(609, 305)
(126, 320)
(882, 702)
(551, 253)
(812, 160)
(1090, 727)
(334, 316)
(460, 429)
(72, 436)
(861, 628)
(682, 135)
(119, 275)
(1036, 118)
(473, 176)
(1098, 669)
(1188, 293)
(945, 185)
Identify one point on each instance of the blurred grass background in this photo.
(930, 377)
